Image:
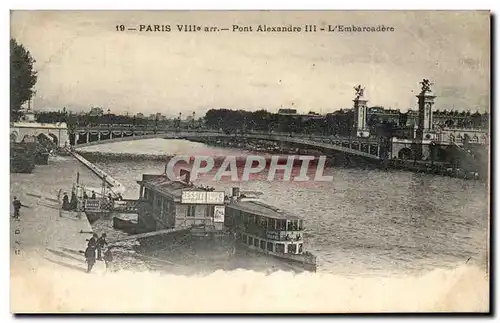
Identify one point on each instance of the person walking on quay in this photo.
(17, 206)
(108, 257)
(100, 245)
(74, 202)
(65, 204)
(93, 241)
(90, 257)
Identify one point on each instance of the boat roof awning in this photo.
(172, 189)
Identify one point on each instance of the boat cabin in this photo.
(171, 204)
(265, 227)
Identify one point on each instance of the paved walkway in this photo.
(46, 242)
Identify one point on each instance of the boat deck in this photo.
(259, 208)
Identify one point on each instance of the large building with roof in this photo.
(172, 204)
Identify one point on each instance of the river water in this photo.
(362, 222)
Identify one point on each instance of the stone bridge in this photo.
(364, 147)
(29, 131)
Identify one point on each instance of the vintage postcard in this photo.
(249, 161)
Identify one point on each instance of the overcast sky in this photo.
(83, 61)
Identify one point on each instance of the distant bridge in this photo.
(363, 147)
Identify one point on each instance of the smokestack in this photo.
(187, 175)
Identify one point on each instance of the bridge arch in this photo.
(29, 139)
(405, 153)
(54, 138)
(321, 142)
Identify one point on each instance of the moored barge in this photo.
(178, 204)
(268, 230)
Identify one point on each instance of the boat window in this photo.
(280, 248)
(191, 209)
(250, 240)
(256, 242)
(292, 248)
(262, 244)
(281, 225)
(300, 247)
(163, 207)
(269, 246)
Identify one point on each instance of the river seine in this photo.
(364, 222)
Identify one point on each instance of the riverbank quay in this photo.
(46, 244)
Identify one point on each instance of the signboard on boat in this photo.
(215, 197)
(193, 197)
(284, 235)
(219, 213)
(202, 197)
(273, 235)
(92, 205)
